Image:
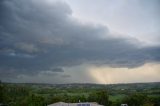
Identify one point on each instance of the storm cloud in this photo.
(38, 36)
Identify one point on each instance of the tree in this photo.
(56, 98)
(1, 92)
(136, 99)
(101, 97)
(35, 100)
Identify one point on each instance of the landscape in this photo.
(79, 52)
(31, 94)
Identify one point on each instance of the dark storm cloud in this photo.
(36, 35)
(57, 70)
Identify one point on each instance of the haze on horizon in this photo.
(80, 41)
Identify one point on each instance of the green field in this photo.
(142, 94)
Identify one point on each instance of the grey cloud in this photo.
(48, 73)
(37, 36)
(57, 70)
(65, 76)
(29, 48)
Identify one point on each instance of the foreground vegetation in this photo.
(144, 94)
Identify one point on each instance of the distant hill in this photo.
(148, 85)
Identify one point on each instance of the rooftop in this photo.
(75, 104)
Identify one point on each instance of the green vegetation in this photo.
(146, 94)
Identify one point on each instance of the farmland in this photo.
(32, 94)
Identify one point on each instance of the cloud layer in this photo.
(38, 36)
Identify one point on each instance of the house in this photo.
(124, 105)
(75, 104)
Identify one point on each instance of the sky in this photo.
(79, 41)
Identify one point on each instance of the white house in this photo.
(124, 105)
(75, 104)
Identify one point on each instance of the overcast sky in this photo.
(80, 41)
